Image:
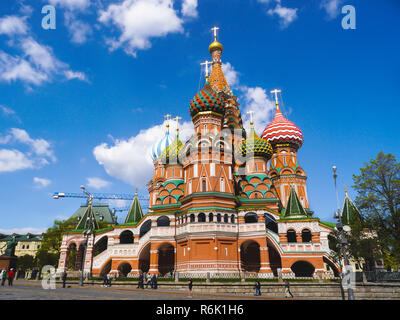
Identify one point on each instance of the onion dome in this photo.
(161, 145)
(281, 130)
(255, 146)
(215, 46)
(172, 153)
(207, 100)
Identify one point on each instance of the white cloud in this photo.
(97, 183)
(331, 7)
(23, 230)
(189, 8)
(8, 112)
(69, 74)
(35, 63)
(38, 155)
(71, 4)
(139, 21)
(77, 28)
(13, 160)
(40, 147)
(286, 15)
(41, 182)
(13, 25)
(130, 160)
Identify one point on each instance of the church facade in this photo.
(226, 201)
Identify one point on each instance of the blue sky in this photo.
(82, 103)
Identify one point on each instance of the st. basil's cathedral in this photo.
(224, 203)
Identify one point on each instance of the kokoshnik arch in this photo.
(224, 202)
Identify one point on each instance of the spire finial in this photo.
(215, 29)
(136, 192)
(168, 117)
(177, 124)
(276, 91)
(345, 190)
(206, 63)
(251, 112)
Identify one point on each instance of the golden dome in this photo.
(215, 45)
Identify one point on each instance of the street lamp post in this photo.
(343, 241)
(89, 224)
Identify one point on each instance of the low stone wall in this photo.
(314, 290)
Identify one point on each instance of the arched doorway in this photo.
(106, 269)
(275, 262)
(126, 237)
(303, 269)
(166, 258)
(71, 257)
(144, 259)
(250, 256)
(331, 267)
(124, 268)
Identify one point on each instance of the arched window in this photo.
(204, 187)
(210, 217)
(126, 237)
(233, 218)
(201, 217)
(163, 221)
(306, 235)
(218, 217)
(226, 218)
(146, 226)
(222, 185)
(291, 236)
(251, 217)
(270, 223)
(192, 218)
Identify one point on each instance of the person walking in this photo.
(288, 293)
(105, 280)
(148, 280)
(140, 282)
(3, 277)
(257, 288)
(64, 278)
(11, 275)
(108, 282)
(190, 286)
(154, 281)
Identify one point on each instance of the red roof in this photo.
(281, 130)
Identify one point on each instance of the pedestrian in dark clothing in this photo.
(108, 280)
(105, 280)
(288, 293)
(64, 278)
(257, 288)
(11, 275)
(154, 281)
(190, 286)
(140, 282)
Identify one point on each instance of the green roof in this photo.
(89, 212)
(294, 207)
(101, 212)
(349, 211)
(135, 213)
(22, 237)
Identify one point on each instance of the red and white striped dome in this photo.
(281, 130)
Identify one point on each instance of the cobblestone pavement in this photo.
(32, 290)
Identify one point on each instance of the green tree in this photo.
(378, 197)
(25, 262)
